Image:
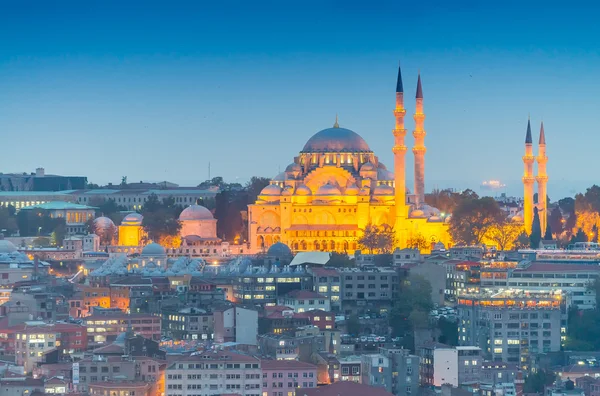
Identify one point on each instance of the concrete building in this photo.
(75, 215)
(498, 372)
(235, 324)
(105, 325)
(188, 324)
(344, 388)
(215, 373)
(328, 281)
(436, 275)
(510, 326)
(395, 370)
(286, 376)
(457, 366)
(305, 300)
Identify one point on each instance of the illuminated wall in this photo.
(130, 235)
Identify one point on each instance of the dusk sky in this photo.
(155, 92)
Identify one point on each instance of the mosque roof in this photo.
(7, 246)
(103, 223)
(279, 249)
(419, 88)
(336, 140)
(399, 87)
(542, 134)
(528, 138)
(58, 205)
(153, 249)
(133, 219)
(195, 212)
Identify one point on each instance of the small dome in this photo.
(434, 218)
(195, 212)
(384, 174)
(367, 167)
(417, 213)
(352, 189)
(153, 249)
(336, 140)
(430, 211)
(328, 189)
(103, 223)
(133, 219)
(7, 246)
(279, 177)
(271, 189)
(293, 167)
(288, 190)
(279, 249)
(302, 189)
(383, 189)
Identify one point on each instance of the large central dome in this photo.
(336, 140)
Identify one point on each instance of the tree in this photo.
(505, 234)
(522, 241)
(340, 260)
(353, 325)
(170, 241)
(255, 186)
(161, 218)
(448, 330)
(8, 221)
(58, 234)
(548, 233)
(417, 241)
(536, 382)
(473, 219)
(377, 239)
(536, 231)
(555, 221)
(411, 309)
(580, 236)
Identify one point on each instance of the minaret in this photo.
(399, 151)
(542, 180)
(419, 148)
(528, 180)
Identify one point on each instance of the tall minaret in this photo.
(399, 151)
(528, 180)
(419, 148)
(542, 180)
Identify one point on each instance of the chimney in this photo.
(519, 384)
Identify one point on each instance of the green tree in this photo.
(536, 382)
(448, 330)
(473, 219)
(255, 186)
(161, 219)
(340, 260)
(555, 221)
(504, 234)
(353, 325)
(57, 236)
(417, 241)
(369, 239)
(579, 237)
(377, 239)
(8, 221)
(536, 232)
(548, 233)
(411, 309)
(522, 241)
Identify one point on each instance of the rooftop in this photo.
(59, 205)
(286, 365)
(345, 388)
(304, 294)
(214, 356)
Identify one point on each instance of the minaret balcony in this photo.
(400, 132)
(419, 116)
(399, 112)
(419, 150)
(528, 179)
(528, 159)
(541, 178)
(399, 149)
(417, 133)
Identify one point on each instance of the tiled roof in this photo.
(343, 388)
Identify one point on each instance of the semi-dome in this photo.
(431, 211)
(293, 167)
(103, 223)
(383, 189)
(336, 140)
(384, 174)
(328, 189)
(279, 249)
(195, 212)
(7, 246)
(133, 219)
(271, 189)
(302, 189)
(367, 167)
(352, 189)
(153, 249)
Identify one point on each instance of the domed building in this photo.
(131, 232)
(337, 185)
(198, 221)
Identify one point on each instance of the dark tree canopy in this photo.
(161, 218)
(37, 222)
(555, 221)
(536, 231)
(340, 260)
(473, 219)
(377, 239)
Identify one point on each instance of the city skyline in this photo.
(143, 92)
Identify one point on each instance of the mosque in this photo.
(336, 186)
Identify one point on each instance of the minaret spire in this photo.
(528, 180)
(336, 125)
(542, 179)
(419, 149)
(399, 151)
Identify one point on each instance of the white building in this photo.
(305, 300)
(214, 373)
(456, 365)
(236, 324)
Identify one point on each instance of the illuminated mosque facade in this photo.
(336, 186)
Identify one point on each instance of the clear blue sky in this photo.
(156, 91)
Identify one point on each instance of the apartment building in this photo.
(105, 325)
(214, 372)
(509, 326)
(305, 300)
(393, 369)
(285, 376)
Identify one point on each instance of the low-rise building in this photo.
(393, 369)
(305, 300)
(214, 372)
(235, 324)
(457, 366)
(345, 388)
(105, 325)
(187, 324)
(286, 376)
